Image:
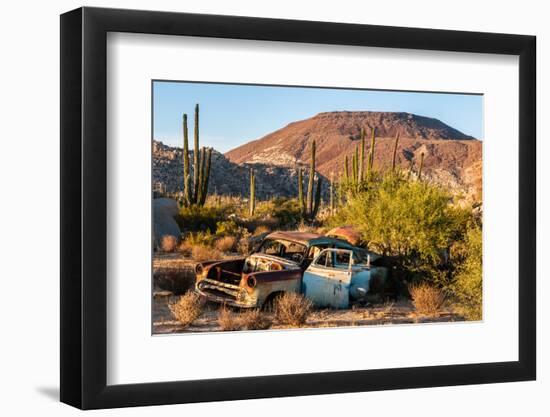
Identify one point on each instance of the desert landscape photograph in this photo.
(281, 207)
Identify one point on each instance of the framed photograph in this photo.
(259, 208)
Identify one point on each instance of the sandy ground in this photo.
(400, 312)
(174, 274)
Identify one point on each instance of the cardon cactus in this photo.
(252, 196)
(371, 154)
(310, 208)
(362, 156)
(301, 200)
(346, 168)
(394, 156)
(332, 203)
(421, 165)
(202, 159)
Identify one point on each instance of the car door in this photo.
(326, 281)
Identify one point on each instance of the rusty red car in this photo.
(277, 267)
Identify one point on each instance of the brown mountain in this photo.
(450, 157)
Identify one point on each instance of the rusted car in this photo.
(275, 268)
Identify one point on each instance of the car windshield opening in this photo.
(284, 249)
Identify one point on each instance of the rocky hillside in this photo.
(450, 157)
(226, 177)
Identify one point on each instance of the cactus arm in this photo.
(206, 177)
(301, 201)
(311, 179)
(253, 193)
(186, 189)
(362, 157)
(356, 165)
(421, 165)
(394, 157)
(346, 169)
(202, 164)
(371, 153)
(317, 199)
(252, 197)
(196, 156)
(332, 193)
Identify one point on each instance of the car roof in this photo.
(309, 239)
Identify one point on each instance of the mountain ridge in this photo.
(450, 156)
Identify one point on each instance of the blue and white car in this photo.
(336, 277)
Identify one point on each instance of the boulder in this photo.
(164, 211)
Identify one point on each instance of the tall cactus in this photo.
(205, 177)
(317, 202)
(421, 165)
(346, 168)
(196, 155)
(186, 174)
(394, 157)
(331, 189)
(311, 179)
(362, 156)
(355, 166)
(195, 194)
(301, 200)
(252, 198)
(371, 154)
(312, 203)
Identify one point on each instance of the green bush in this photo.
(227, 228)
(413, 222)
(197, 218)
(467, 286)
(285, 211)
(199, 239)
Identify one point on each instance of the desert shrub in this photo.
(168, 243)
(413, 222)
(185, 248)
(254, 320)
(229, 203)
(228, 227)
(228, 320)
(426, 298)
(199, 239)
(197, 218)
(467, 286)
(187, 309)
(279, 212)
(205, 253)
(292, 309)
(226, 243)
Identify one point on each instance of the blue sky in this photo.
(233, 114)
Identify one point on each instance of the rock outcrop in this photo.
(164, 210)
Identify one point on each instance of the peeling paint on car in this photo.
(334, 278)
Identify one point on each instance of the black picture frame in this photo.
(84, 207)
